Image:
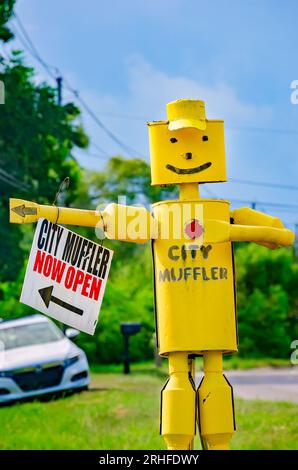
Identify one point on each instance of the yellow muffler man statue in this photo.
(193, 263)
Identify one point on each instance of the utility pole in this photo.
(59, 81)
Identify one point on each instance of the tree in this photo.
(267, 300)
(128, 177)
(36, 139)
(128, 297)
(6, 10)
(121, 177)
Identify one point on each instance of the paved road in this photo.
(266, 383)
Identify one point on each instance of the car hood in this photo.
(37, 354)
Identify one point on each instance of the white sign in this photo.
(66, 276)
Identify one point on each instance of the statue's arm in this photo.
(249, 226)
(119, 222)
(273, 232)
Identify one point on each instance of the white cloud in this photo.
(149, 90)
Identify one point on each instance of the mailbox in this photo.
(128, 329)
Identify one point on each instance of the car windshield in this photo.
(27, 335)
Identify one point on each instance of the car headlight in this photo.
(5, 374)
(69, 361)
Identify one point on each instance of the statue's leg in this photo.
(216, 404)
(178, 404)
(192, 376)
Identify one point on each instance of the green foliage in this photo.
(128, 297)
(37, 134)
(9, 298)
(267, 301)
(124, 177)
(36, 140)
(120, 177)
(6, 9)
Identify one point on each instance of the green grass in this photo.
(235, 362)
(230, 362)
(122, 412)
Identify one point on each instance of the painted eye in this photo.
(173, 140)
(205, 138)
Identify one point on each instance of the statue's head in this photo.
(187, 148)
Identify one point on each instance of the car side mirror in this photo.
(71, 333)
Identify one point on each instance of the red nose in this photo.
(194, 229)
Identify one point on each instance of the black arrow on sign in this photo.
(47, 297)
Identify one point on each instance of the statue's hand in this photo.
(216, 231)
(271, 238)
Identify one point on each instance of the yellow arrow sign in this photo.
(23, 212)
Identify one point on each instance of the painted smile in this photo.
(189, 171)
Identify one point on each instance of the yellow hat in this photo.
(186, 113)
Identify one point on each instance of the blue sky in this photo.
(129, 58)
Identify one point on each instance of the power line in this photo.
(290, 208)
(130, 117)
(263, 129)
(33, 51)
(91, 113)
(12, 181)
(100, 149)
(209, 192)
(262, 183)
(93, 155)
(280, 207)
(31, 48)
(269, 204)
(237, 128)
(12, 177)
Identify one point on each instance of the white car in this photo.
(36, 357)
